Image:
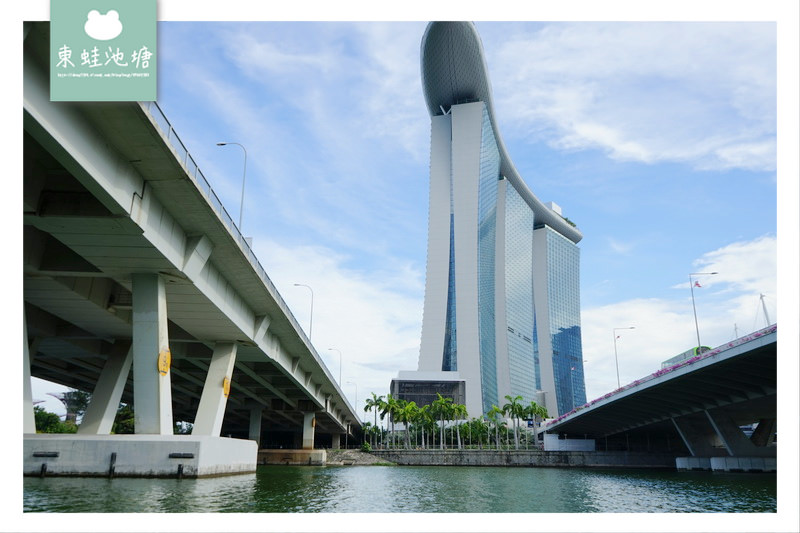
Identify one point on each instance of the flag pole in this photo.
(694, 308)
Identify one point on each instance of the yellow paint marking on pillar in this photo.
(164, 361)
(226, 387)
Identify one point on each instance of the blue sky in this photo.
(657, 138)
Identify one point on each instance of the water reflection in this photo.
(370, 489)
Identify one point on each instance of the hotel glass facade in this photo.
(487, 223)
(523, 370)
(560, 301)
(502, 299)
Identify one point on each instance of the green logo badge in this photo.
(103, 50)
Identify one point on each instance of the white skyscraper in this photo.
(502, 306)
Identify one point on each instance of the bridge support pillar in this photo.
(764, 433)
(211, 410)
(28, 417)
(335, 441)
(697, 434)
(255, 424)
(735, 441)
(152, 392)
(99, 416)
(309, 423)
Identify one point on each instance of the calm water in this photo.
(365, 489)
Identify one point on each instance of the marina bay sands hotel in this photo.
(502, 293)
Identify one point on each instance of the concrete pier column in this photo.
(152, 392)
(732, 437)
(309, 423)
(255, 424)
(99, 416)
(28, 418)
(335, 441)
(764, 433)
(211, 410)
(697, 434)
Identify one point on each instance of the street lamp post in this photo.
(340, 363)
(616, 359)
(694, 308)
(311, 314)
(244, 175)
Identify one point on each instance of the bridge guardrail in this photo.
(193, 171)
(658, 373)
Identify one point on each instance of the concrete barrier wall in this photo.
(529, 458)
(728, 464)
(137, 455)
(553, 443)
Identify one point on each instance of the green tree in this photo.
(47, 422)
(440, 408)
(124, 420)
(516, 410)
(366, 429)
(374, 404)
(406, 413)
(75, 402)
(426, 422)
(495, 414)
(459, 413)
(478, 430)
(537, 413)
(389, 408)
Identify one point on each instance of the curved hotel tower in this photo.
(502, 301)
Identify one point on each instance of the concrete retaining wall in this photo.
(292, 457)
(527, 458)
(136, 455)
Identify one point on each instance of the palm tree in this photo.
(459, 413)
(366, 429)
(406, 413)
(374, 403)
(536, 412)
(494, 414)
(424, 419)
(477, 428)
(516, 410)
(441, 409)
(384, 408)
(391, 407)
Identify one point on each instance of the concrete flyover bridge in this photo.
(139, 288)
(694, 409)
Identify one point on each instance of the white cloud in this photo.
(729, 304)
(746, 266)
(702, 93)
(620, 247)
(323, 110)
(361, 105)
(372, 317)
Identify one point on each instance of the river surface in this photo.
(399, 489)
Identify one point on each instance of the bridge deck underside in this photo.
(743, 387)
(81, 245)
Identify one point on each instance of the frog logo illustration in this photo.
(103, 27)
